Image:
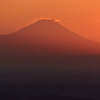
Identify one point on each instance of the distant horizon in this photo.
(47, 19)
(13, 31)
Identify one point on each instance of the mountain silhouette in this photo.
(46, 38)
(47, 51)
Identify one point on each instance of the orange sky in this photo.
(80, 16)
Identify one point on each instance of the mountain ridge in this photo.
(47, 37)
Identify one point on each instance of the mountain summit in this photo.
(46, 37)
(43, 26)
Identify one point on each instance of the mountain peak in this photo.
(47, 36)
(46, 20)
(42, 26)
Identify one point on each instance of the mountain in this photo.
(47, 51)
(46, 38)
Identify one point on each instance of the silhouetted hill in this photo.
(46, 38)
(47, 51)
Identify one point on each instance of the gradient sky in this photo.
(80, 16)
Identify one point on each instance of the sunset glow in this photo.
(80, 16)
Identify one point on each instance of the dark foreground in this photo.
(49, 91)
(70, 78)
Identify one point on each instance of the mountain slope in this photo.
(46, 38)
(47, 51)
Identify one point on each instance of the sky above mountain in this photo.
(80, 16)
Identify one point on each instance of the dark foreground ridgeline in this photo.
(49, 91)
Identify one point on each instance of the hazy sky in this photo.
(80, 16)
